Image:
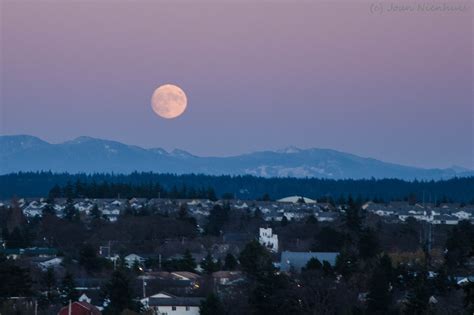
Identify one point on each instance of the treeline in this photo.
(39, 184)
(80, 189)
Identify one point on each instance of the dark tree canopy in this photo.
(153, 185)
(255, 259)
(118, 290)
(212, 305)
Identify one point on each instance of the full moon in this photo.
(169, 101)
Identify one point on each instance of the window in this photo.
(173, 308)
(187, 308)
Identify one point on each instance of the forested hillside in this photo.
(153, 185)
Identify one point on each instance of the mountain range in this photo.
(91, 155)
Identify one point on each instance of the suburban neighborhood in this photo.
(183, 254)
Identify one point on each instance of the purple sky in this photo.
(396, 86)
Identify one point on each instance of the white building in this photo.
(84, 298)
(297, 199)
(50, 263)
(133, 259)
(268, 239)
(167, 304)
(146, 301)
(462, 215)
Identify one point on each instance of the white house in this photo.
(462, 215)
(297, 199)
(131, 259)
(51, 263)
(84, 298)
(35, 208)
(268, 239)
(167, 304)
(445, 219)
(146, 301)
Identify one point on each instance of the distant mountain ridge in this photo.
(91, 155)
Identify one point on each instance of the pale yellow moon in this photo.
(169, 101)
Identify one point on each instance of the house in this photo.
(146, 300)
(132, 259)
(15, 253)
(167, 304)
(298, 260)
(84, 298)
(227, 277)
(297, 199)
(179, 284)
(35, 208)
(463, 281)
(462, 215)
(186, 275)
(268, 239)
(445, 219)
(326, 216)
(40, 251)
(50, 263)
(79, 308)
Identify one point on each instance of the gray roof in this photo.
(175, 301)
(445, 217)
(299, 260)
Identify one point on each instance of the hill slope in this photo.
(90, 155)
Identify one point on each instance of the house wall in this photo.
(268, 239)
(180, 310)
(75, 310)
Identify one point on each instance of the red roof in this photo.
(80, 308)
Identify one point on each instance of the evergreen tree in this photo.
(183, 212)
(346, 264)
(258, 214)
(14, 281)
(379, 297)
(418, 296)
(353, 217)
(230, 262)
(442, 282)
(54, 192)
(275, 294)
(70, 212)
(95, 212)
(211, 194)
(460, 244)
(67, 290)
(88, 258)
(368, 244)
(49, 209)
(284, 221)
(188, 262)
(216, 220)
(119, 292)
(255, 259)
(212, 306)
(16, 239)
(327, 268)
(68, 191)
(49, 282)
(313, 264)
(209, 265)
(469, 297)
(311, 219)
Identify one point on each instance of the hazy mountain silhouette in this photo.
(90, 155)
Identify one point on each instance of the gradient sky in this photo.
(396, 86)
